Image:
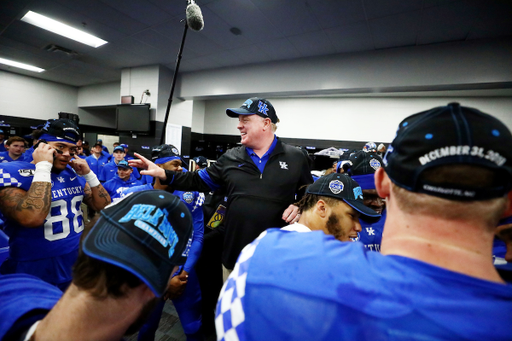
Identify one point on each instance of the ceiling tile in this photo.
(496, 21)
(279, 49)
(450, 21)
(351, 38)
(383, 8)
(312, 44)
(337, 13)
(244, 15)
(143, 11)
(395, 30)
(289, 17)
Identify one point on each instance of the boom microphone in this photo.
(194, 16)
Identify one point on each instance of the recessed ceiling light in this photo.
(20, 65)
(62, 29)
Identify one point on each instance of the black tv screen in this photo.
(133, 118)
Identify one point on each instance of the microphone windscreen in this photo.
(194, 17)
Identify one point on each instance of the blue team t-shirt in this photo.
(309, 286)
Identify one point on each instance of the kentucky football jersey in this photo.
(371, 233)
(309, 286)
(49, 251)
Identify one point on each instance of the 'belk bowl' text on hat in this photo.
(147, 233)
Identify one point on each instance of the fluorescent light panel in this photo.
(62, 29)
(20, 65)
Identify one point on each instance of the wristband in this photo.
(43, 172)
(92, 179)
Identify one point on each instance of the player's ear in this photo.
(382, 183)
(508, 210)
(321, 208)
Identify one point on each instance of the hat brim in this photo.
(124, 167)
(234, 112)
(110, 244)
(361, 208)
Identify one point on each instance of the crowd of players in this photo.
(445, 180)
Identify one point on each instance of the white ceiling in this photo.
(148, 32)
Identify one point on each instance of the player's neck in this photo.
(264, 145)
(14, 157)
(454, 245)
(78, 316)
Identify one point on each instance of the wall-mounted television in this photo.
(133, 118)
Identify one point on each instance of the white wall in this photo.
(28, 97)
(134, 81)
(198, 114)
(101, 94)
(351, 119)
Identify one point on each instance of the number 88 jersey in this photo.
(60, 233)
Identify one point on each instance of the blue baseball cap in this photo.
(118, 149)
(146, 233)
(123, 164)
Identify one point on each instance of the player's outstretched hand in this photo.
(80, 166)
(149, 167)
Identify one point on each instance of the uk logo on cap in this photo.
(262, 108)
(336, 186)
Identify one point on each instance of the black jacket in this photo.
(256, 201)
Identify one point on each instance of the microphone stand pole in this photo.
(169, 101)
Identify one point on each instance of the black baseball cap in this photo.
(342, 187)
(362, 166)
(450, 135)
(147, 233)
(123, 164)
(255, 105)
(364, 163)
(63, 128)
(201, 161)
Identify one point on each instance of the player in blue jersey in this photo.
(35, 135)
(97, 159)
(41, 205)
(128, 156)
(123, 180)
(16, 146)
(116, 281)
(333, 204)
(184, 287)
(109, 170)
(361, 166)
(2, 141)
(447, 179)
